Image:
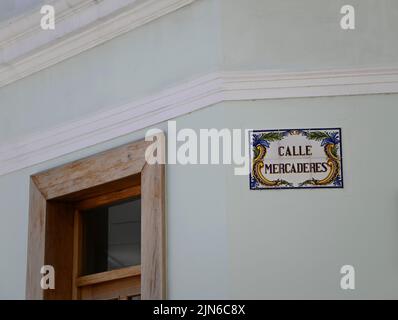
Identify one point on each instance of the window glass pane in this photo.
(111, 237)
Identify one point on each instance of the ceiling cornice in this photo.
(80, 25)
(185, 98)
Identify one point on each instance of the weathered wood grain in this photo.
(108, 198)
(36, 243)
(59, 248)
(108, 276)
(153, 258)
(93, 171)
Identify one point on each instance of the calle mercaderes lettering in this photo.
(295, 151)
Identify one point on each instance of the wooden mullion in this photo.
(108, 276)
(77, 249)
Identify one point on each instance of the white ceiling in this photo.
(12, 8)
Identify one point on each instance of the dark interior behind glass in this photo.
(111, 237)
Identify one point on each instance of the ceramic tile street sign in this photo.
(296, 158)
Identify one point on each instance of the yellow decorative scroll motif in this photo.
(333, 163)
(258, 165)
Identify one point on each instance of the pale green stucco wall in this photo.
(225, 241)
(10, 9)
(306, 34)
(292, 244)
(159, 55)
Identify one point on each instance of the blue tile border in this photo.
(339, 176)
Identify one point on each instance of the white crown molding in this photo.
(80, 25)
(190, 96)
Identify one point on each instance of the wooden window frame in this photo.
(52, 217)
(120, 284)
